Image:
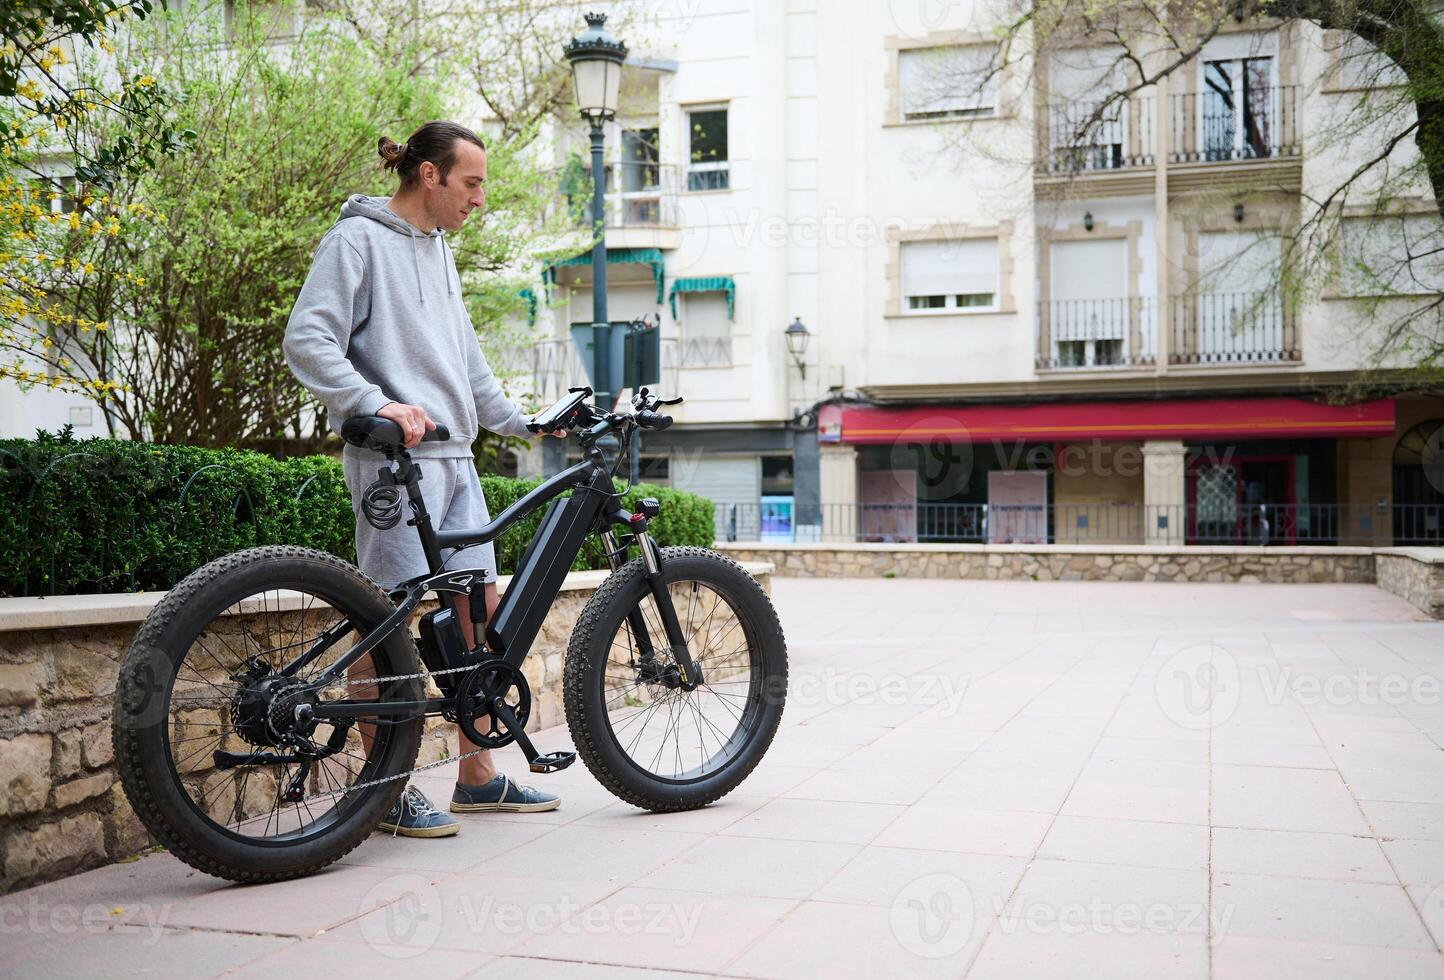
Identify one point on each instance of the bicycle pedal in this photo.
(552, 761)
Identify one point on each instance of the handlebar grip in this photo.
(439, 434)
(653, 420)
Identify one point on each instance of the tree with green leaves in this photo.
(60, 185)
(284, 133)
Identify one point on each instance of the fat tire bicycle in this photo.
(273, 703)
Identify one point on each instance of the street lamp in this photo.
(797, 337)
(596, 59)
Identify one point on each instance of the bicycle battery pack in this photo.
(442, 645)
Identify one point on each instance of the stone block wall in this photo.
(1103, 564)
(1415, 576)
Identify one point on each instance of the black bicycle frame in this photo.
(534, 585)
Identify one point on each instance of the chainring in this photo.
(476, 695)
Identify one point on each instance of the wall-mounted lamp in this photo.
(1087, 220)
(797, 337)
(1238, 212)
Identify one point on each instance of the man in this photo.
(379, 328)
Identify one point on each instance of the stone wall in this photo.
(1414, 573)
(62, 808)
(1066, 563)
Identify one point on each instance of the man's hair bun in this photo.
(393, 154)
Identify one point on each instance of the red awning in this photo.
(1219, 418)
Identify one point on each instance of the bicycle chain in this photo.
(410, 772)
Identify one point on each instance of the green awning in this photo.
(705, 284)
(529, 295)
(615, 256)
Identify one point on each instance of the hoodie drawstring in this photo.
(416, 264)
(446, 266)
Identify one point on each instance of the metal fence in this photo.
(1253, 123)
(1097, 135)
(1102, 524)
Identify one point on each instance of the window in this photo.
(960, 274)
(707, 167)
(947, 83)
(706, 331)
(1238, 118)
(641, 176)
(1397, 255)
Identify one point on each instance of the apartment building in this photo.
(1013, 337)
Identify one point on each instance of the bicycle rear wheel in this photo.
(210, 752)
(647, 739)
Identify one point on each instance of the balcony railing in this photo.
(1235, 523)
(1097, 135)
(556, 366)
(1232, 328)
(1097, 333)
(639, 195)
(706, 352)
(1211, 126)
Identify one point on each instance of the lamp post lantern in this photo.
(797, 337)
(596, 60)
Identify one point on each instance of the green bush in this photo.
(107, 515)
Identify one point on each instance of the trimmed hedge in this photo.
(107, 515)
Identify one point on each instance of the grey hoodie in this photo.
(380, 319)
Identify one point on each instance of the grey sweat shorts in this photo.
(452, 492)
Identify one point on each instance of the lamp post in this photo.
(596, 60)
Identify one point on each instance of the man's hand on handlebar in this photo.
(413, 420)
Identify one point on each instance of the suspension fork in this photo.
(661, 595)
(638, 626)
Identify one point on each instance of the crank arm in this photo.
(536, 762)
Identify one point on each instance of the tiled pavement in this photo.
(974, 778)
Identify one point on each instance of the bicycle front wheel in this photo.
(644, 736)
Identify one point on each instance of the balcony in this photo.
(1094, 334)
(1256, 127)
(640, 207)
(1098, 147)
(556, 366)
(1232, 329)
(1089, 137)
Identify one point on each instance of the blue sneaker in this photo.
(413, 815)
(501, 795)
